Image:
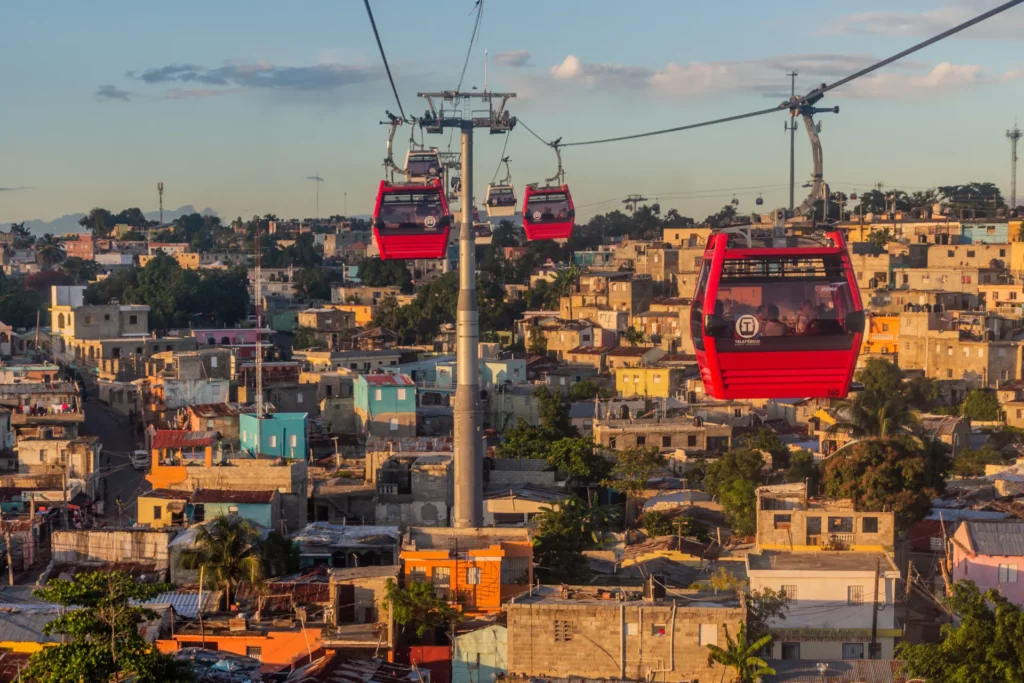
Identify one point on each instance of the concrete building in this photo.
(883, 335)
(633, 356)
(361, 361)
(329, 325)
(832, 603)
(651, 381)
(478, 569)
(413, 488)
(385, 405)
(989, 553)
(598, 632)
(277, 435)
(690, 433)
(787, 519)
(71, 318)
(480, 654)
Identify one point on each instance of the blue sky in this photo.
(234, 104)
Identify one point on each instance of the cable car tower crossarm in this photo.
(469, 443)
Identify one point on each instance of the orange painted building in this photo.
(278, 650)
(476, 569)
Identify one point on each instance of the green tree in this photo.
(538, 343)
(305, 338)
(765, 439)
(523, 441)
(101, 629)
(561, 536)
(375, 272)
(228, 551)
(656, 523)
(312, 283)
(588, 390)
(803, 468)
(82, 272)
(738, 464)
(983, 645)
(579, 458)
(880, 237)
(279, 554)
(742, 657)
(982, 405)
(49, 252)
(419, 608)
(971, 463)
(630, 473)
(882, 408)
(902, 475)
(634, 337)
(765, 607)
(19, 305)
(554, 414)
(739, 503)
(98, 221)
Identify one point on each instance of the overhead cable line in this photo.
(472, 38)
(809, 98)
(384, 57)
(501, 157)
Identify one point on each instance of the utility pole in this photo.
(7, 543)
(64, 492)
(791, 127)
(874, 611)
(1013, 135)
(469, 455)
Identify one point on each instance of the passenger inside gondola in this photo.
(423, 166)
(411, 210)
(501, 198)
(783, 309)
(549, 207)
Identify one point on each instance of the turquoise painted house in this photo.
(283, 435)
(261, 507)
(385, 405)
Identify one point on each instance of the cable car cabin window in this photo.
(548, 207)
(502, 196)
(423, 166)
(421, 210)
(784, 305)
(696, 308)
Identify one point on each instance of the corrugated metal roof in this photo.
(186, 603)
(179, 438)
(166, 494)
(390, 380)
(244, 497)
(1001, 538)
(839, 671)
(26, 626)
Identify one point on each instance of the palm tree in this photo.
(563, 286)
(742, 658)
(634, 337)
(49, 251)
(228, 551)
(874, 413)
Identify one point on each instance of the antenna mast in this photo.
(1013, 135)
(160, 191)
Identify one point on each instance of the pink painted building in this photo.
(991, 553)
(241, 339)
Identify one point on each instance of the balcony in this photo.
(47, 418)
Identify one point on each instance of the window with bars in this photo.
(441, 577)
(789, 592)
(473, 576)
(515, 570)
(254, 652)
(563, 631)
(854, 595)
(1007, 573)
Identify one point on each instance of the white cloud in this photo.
(198, 93)
(513, 58)
(930, 22)
(767, 76)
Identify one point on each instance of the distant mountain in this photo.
(69, 222)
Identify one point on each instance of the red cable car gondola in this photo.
(411, 221)
(776, 322)
(548, 213)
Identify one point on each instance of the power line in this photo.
(384, 57)
(814, 94)
(472, 39)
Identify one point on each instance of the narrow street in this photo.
(121, 481)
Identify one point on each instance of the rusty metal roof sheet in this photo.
(243, 497)
(180, 438)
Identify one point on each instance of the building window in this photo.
(88, 320)
(515, 571)
(418, 574)
(298, 398)
(563, 631)
(1007, 573)
(869, 525)
(641, 441)
(691, 440)
(401, 394)
(854, 595)
(473, 576)
(293, 440)
(970, 253)
(441, 577)
(232, 509)
(273, 441)
(791, 651)
(157, 511)
(783, 521)
(789, 592)
(611, 442)
(393, 424)
(707, 635)
(666, 441)
(840, 525)
(950, 253)
(658, 630)
(657, 379)
(378, 394)
(737, 412)
(853, 650)
(254, 652)
(133, 320)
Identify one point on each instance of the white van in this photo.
(140, 460)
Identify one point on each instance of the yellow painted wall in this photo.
(883, 334)
(654, 382)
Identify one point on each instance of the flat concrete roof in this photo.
(834, 561)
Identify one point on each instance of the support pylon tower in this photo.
(469, 436)
(1013, 135)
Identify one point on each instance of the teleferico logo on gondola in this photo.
(747, 326)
